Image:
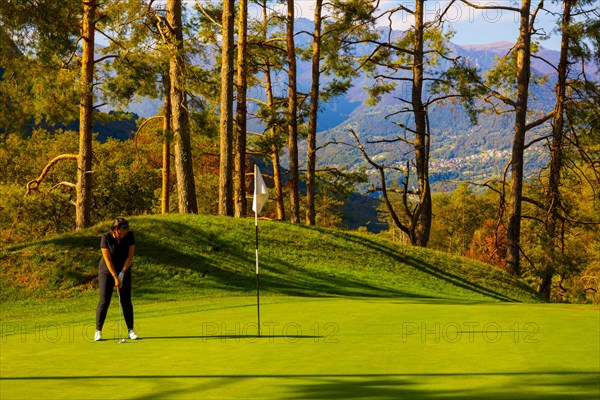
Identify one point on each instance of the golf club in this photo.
(121, 338)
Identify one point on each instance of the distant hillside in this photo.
(112, 124)
(459, 149)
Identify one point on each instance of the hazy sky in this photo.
(472, 26)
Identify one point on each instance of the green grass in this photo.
(182, 256)
(311, 348)
(343, 316)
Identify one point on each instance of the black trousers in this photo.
(107, 286)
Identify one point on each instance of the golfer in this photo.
(118, 247)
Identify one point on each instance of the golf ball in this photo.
(122, 340)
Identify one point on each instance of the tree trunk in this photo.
(166, 150)
(292, 116)
(186, 187)
(311, 158)
(279, 204)
(274, 142)
(516, 188)
(226, 122)
(86, 106)
(241, 110)
(553, 200)
(422, 215)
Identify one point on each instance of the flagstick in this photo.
(257, 280)
(261, 195)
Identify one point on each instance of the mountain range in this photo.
(460, 150)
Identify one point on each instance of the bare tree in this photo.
(407, 60)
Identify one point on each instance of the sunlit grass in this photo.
(343, 315)
(309, 348)
(189, 256)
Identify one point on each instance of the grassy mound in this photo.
(189, 256)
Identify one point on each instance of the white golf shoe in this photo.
(132, 335)
(98, 336)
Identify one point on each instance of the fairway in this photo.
(344, 348)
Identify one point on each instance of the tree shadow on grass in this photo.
(207, 254)
(542, 385)
(277, 279)
(197, 254)
(425, 267)
(235, 337)
(530, 386)
(66, 242)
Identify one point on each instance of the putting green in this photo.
(310, 348)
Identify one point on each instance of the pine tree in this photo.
(241, 112)
(226, 199)
(292, 116)
(186, 187)
(84, 162)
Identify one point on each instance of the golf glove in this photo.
(121, 276)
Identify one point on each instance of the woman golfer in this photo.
(118, 247)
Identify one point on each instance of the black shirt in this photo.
(119, 250)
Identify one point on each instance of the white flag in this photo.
(261, 194)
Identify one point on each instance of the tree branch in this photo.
(397, 139)
(535, 141)
(487, 183)
(380, 168)
(111, 39)
(99, 60)
(208, 16)
(70, 185)
(490, 7)
(401, 191)
(335, 142)
(540, 121)
(545, 61)
(34, 184)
